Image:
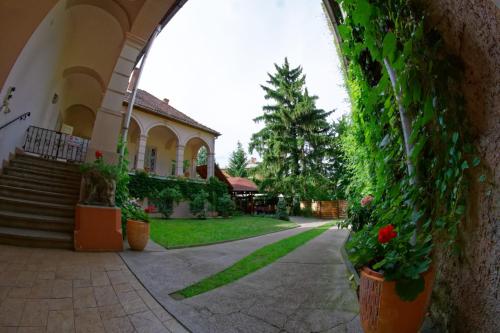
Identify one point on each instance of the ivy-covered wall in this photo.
(466, 297)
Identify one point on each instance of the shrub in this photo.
(358, 217)
(197, 205)
(165, 199)
(216, 189)
(225, 205)
(281, 210)
(142, 185)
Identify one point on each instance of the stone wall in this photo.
(466, 296)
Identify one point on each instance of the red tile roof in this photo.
(235, 184)
(148, 102)
(240, 184)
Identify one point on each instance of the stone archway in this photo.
(191, 150)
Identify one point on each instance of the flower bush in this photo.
(132, 210)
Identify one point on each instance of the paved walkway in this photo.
(305, 291)
(44, 290)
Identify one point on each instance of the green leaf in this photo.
(418, 148)
(361, 15)
(344, 31)
(482, 178)
(389, 46)
(465, 165)
(476, 161)
(454, 137)
(408, 290)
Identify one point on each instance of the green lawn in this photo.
(254, 261)
(177, 233)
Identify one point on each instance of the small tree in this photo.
(201, 159)
(197, 205)
(238, 162)
(225, 205)
(165, 199)
(281, 210)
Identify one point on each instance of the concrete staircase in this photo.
(37, 202)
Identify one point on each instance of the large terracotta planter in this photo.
(381, 309)
(98, 228)
(137, 234)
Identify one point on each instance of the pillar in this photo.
(192, 173)
(179, 161)
(141, 152)
(109, 118)
(210, 165)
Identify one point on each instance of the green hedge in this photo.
(142, 185)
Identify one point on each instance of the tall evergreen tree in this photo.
(238, 162)
(292, 141)
(201, 159)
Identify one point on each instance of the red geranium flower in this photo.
(98, 154)
(385, 234)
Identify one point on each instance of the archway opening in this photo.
(80, 119)
(192, 156)
(160, 151)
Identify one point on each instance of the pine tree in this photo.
(238, 162)
(201, 159)
(292, 141)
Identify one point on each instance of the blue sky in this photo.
(211, 58)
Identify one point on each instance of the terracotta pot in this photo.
(381, 309)
(137, 234)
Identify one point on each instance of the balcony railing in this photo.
(55, 145)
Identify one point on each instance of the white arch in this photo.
(157, 124)
(195, 136)
(139, 123)
(112, 7)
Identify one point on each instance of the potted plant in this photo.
(97, 219)
(396, 276)
(137, 225)
(98, 182)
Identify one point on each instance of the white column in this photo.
(192, 174)
(179, 161)
(210, 165)
(109, 118)
(141, 151)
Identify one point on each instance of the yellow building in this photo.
(65, 67)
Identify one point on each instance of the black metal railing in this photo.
(21, 117)
(55, 145)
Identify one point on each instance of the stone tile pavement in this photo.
(48, 290)
(305, 291)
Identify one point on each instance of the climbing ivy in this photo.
(392, 34)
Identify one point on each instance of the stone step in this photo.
(46, 177)
(45, 174)
(36, 238)
(36, 207)
(47, 162)
(35, 221)
(37, 184)
(43, 196)
(34, 166)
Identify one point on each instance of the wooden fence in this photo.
(332, 209)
